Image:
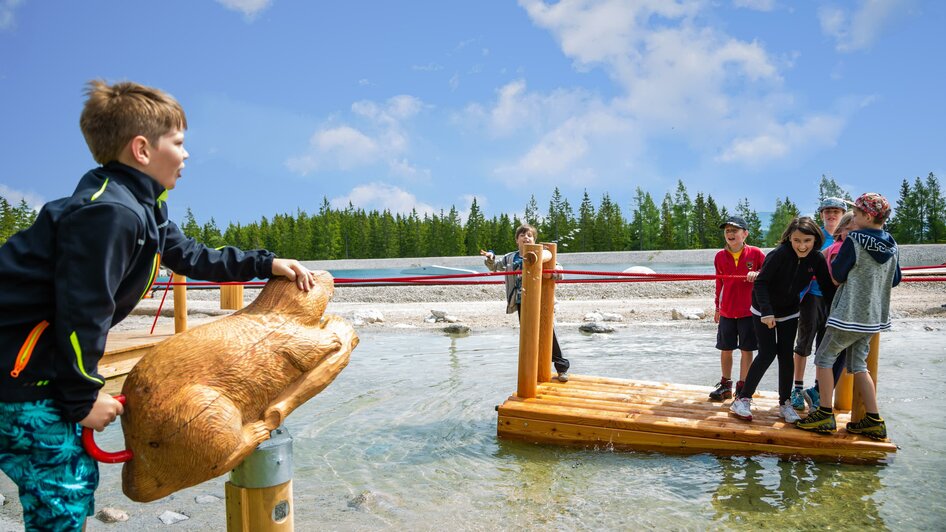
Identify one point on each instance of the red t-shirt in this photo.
(734, 296)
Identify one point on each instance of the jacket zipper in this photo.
(26, 350)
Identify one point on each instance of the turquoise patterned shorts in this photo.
(42, 453)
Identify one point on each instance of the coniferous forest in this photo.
(678, 220)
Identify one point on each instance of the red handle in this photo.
(88, 441)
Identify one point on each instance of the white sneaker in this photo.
(787, 412)
(563, 377)
(741, 407)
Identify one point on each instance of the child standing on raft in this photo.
(733, 298)
(867, 266)
(512, 261)
(786, 271)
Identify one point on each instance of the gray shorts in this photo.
(836, 341)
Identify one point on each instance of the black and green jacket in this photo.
(80, 269)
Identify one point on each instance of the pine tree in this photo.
(936, 210)
(474, 230)
(713, 220)
(532, 212)
(785, 212)
(703, 231)
(682, 211)
(584, 239)
(25, 215)
(190, 228)
(7, 220)
(667, 237)
(752, 221)
(210, 235)
(828, 188)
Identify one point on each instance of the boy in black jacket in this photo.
(79, 270)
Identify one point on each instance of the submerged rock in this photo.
(457, 328)
(169, 517)
(595, 328)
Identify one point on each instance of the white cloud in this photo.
(857, 29)
(757, 5)
(560, 151)
(403, 168)
(675, 74)
(780, 140)
(381, 138)
(382, 196)
(14, 197)
(249, 8)
(7, 18)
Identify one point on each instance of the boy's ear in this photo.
(140, 150)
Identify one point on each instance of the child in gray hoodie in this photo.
(866, 268)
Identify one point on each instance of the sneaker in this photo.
(875, 430)
(722, 392)
(798, 399)
(563, 376)
(787, 412)
(813, 398)
(818, 421)
(741, 407)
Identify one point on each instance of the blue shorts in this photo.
(43, 455)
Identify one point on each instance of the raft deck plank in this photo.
(642, 415)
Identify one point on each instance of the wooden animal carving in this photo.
(201, 401)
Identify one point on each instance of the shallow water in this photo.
(406, 439)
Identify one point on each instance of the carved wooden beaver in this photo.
(201, 401)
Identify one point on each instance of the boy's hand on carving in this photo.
(105, 409)
(294, 271)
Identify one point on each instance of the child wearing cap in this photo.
(737, 266)
(867, 268)
(813, 311)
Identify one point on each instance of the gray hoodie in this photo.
(867, 266)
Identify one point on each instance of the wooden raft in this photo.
(627, 414)
(630, 414)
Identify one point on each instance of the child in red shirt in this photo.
(733, 298)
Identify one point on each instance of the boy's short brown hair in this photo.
(115, 114)
(524, 228)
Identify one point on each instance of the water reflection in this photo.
(803, 494)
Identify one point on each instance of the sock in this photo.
(874, 416)
(826, 410)
(740, 384)
(799, 385)
(725, 380)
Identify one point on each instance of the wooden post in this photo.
(231, 296)
(858, 411)
(547, 318)
(844, 391)
(259, 493)
(180, 303)
(529, 320)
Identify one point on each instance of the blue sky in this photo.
(426, 104)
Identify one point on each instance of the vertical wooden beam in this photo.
(180, 303)
(529, 320)
(858, 411)
(231, 296)
(844, 391)
(547, 318)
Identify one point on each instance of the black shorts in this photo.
(736, 333)
(812, 317)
